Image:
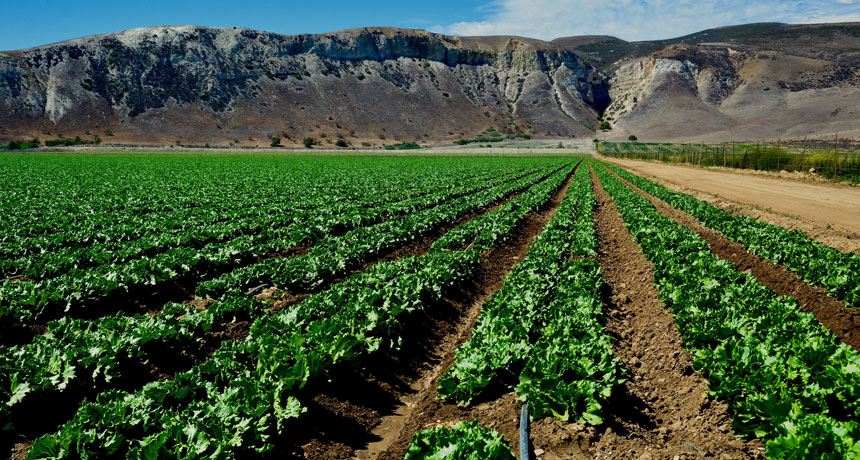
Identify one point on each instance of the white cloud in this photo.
(640, 19)
(818, 18)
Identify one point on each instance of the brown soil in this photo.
(20, 450)
(382, 406)
(829, 213)
(145, 300)
(282, 299)
(844, 322)
(842, 240)
(163, 360)
(17, 279)
(150, 299)
(663, 410)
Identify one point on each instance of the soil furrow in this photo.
(149, 299)
(663, 410)
(372, 413)
(825, 205)
(282, 299)
(840, 239)
(831, 312)
(144, 300)
(162, 361)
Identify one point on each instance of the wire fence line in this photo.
(837, 159)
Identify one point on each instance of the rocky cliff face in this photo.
(239, 86)
(716, 92)
(374, 86)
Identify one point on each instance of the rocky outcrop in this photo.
(239, 86)
(717, 93)
(709, 76)
(374, 86)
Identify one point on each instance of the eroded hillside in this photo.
(242, 87)
(756, 81)
(368, 87)
(720, 93)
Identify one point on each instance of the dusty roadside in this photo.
(828, 213)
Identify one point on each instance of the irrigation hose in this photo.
(524, 433)
(255, 290)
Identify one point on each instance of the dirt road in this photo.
(826, 212)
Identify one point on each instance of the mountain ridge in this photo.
(376, 85)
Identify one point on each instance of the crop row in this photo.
(546, 321)
(29, 300)
(818, 264)
(333, 256)
(480, 233)
(462, 441)
(214, 225)
(243, 397)
(45, 213)
(788, 380)
(85, 353)
(54, 262)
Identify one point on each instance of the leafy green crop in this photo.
(546, 318)
(94, 271)
(333, 256)
(243, 396)
(463, 441)
(818, 264)
(95, 352)
(786, 377)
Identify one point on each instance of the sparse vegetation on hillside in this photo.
(403, 146)
(492, 135)
(21, 145)
(66, 142)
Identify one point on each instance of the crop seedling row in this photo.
(243, 396)
(81, 231)
(786, 377)
(818, 264)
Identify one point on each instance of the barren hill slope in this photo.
(756, 81)
(374, 86)
(237, 86)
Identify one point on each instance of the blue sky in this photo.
(38, 22)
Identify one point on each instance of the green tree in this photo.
(276, 142)
(309, 142)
